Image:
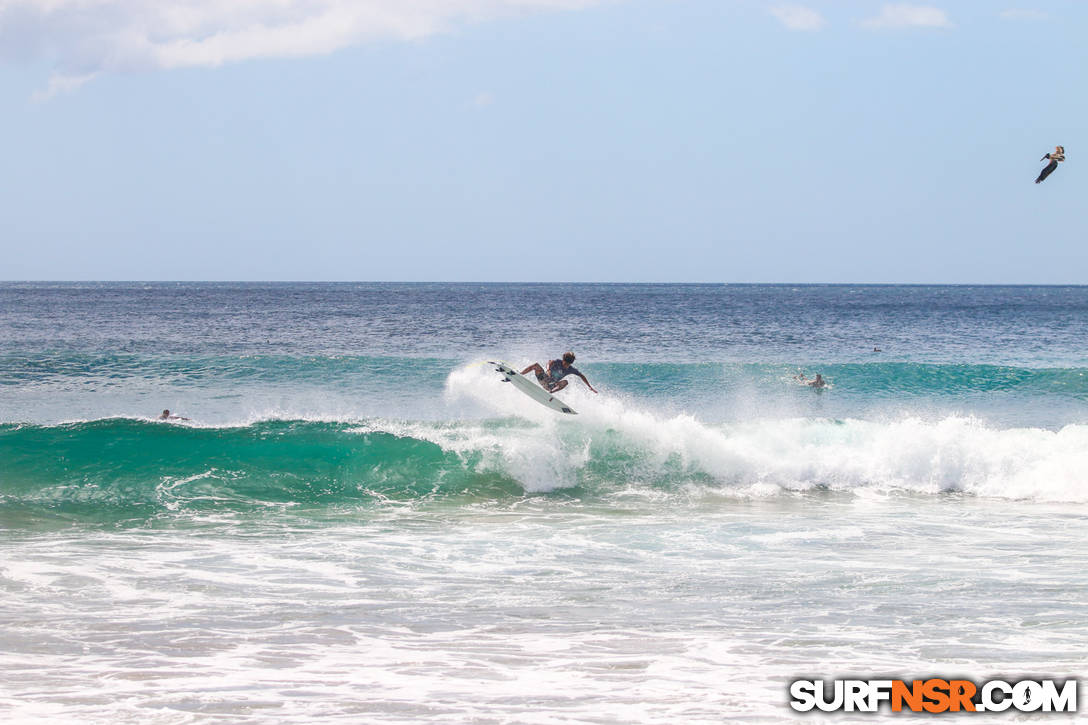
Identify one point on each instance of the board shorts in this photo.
(550, 379)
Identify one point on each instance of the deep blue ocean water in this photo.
(359, 521)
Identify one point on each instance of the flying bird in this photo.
(1057, 155)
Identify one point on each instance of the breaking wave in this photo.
(135, 467)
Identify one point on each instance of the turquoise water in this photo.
(360, 522)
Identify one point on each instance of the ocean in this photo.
(357, 521)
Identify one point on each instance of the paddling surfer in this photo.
(552, 379)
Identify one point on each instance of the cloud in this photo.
(908, 16)
(60, 84)
(798, 17)
(82, 38)
(1016, 14)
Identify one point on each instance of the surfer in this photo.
(166, 415)
(1057, 155)
(817, 382)
(552, 380)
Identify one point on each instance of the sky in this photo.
(853, 141)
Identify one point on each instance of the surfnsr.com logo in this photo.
(934, 695)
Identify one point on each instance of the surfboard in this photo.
(531, 388)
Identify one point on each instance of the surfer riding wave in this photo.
(552, 379)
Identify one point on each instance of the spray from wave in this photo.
(954, 453)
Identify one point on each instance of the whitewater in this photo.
(360, 522)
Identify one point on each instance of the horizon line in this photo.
(526, 282)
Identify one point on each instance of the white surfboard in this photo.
(531, 388)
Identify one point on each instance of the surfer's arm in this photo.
(583, 377)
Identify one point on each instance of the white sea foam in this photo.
(558, 614)
(952, 454)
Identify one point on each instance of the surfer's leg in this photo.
(1046, 171)
(541, 376)
(558, 386)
